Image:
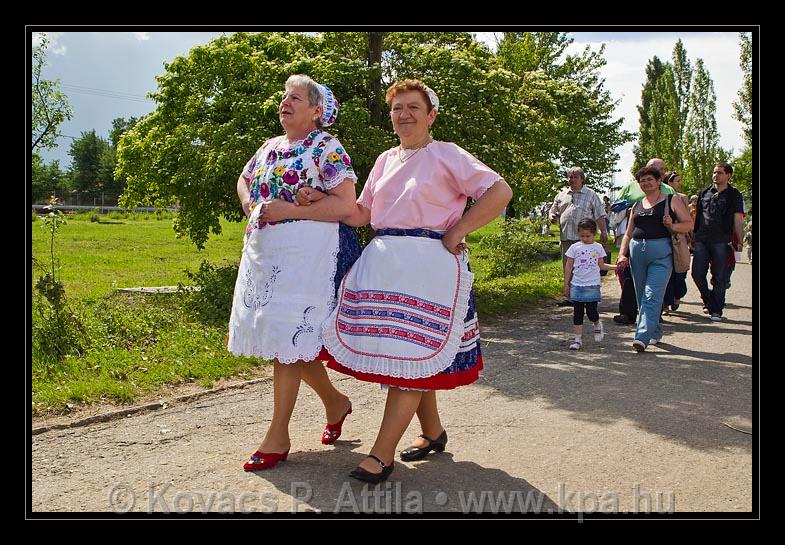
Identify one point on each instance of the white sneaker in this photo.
(599, 334)
(654, 341)
(638, 345)
(576, 345)
(716, 318)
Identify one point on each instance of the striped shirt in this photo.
(572, 206)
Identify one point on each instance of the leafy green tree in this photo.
(743, 107)
(664, 110)
(647, 126)
(682, 76)
(666, 140)
(90, 170)
(702, 141)
(50, 106)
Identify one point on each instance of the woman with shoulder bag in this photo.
(648, 239)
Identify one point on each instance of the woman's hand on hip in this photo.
(454, 243)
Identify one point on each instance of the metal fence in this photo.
(102, 209)
(102, 203)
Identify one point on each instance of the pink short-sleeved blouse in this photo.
(428, 190)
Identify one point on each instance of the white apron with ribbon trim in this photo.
(401, 309)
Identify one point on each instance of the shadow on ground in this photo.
(674, 391)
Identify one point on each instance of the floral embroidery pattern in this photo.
(252, 297)
(280, 172)
(304, 326)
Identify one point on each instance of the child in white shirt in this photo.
(582, 279)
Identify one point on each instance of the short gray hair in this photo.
(579, 171)
(314, 91)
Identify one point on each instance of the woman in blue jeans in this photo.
(648, 238)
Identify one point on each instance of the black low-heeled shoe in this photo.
(416, 453)
(373, 478)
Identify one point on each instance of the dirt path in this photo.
(545, 429)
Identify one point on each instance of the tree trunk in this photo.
(375, 42)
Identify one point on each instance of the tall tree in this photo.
(647, 125)
(743, 107)
(665, 140)
(702, 137)
(682, 76)
(50, 106)
(89, 166)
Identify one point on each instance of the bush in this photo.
(211, 300)
(510, 251)
(57, 332)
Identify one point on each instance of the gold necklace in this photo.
(400, 149)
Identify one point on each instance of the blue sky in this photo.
(107, 75)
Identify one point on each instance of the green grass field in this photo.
(96, 258)
(141, 344)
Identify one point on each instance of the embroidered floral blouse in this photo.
(278, 171)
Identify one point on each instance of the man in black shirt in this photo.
(720, 212)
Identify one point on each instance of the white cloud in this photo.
(55, 47)
(142, 36)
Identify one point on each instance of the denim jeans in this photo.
(716, 255)
(651, 263)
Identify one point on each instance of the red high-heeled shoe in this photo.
(332, 432)
(264, 460)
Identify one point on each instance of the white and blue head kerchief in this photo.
(329, 106)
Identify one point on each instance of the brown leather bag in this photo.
(681, 249)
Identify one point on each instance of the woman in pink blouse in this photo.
(405, 316)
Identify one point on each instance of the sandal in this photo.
(264, 460)
(332, 432)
